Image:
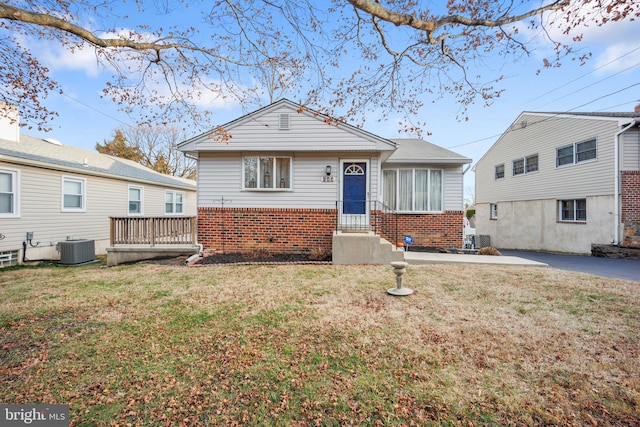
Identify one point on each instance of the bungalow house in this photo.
(52, 193)
(561, 181)
(289, 179)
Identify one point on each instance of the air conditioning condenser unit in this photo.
(74, 252)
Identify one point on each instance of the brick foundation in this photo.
(630, 207)
(301, 230)
(441, 230)
(276, 230)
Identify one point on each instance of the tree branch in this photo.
(376, 9)
(44, 20)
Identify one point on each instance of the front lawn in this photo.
(155, 345)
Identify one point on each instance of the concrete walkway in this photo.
(440, 258)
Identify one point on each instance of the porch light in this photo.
(328, 170)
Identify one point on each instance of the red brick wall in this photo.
(630, 195)
(630, 207)
(300, 230)
(276, 230)
(438, 230)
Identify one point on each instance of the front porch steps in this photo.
(363, 248)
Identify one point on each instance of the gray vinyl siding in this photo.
(261, 132)
(630, 150)
(221, 176)
(542, 135)
(40, 207)
(453, 190)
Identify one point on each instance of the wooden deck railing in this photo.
(153, 231)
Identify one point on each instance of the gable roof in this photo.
(603, 114)
(622, 119)
(206, 140)
(420, 151)
(49, 154)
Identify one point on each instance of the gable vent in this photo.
(283, 122)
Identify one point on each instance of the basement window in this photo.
(572, 210)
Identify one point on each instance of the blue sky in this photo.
(609, 81)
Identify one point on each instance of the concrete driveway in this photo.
(619, 268)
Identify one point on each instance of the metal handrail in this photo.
(379, 218)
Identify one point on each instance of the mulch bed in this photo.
(245, 259)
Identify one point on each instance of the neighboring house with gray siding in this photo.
(58, 192)
(284, 178)
(560, 182)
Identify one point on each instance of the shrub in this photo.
(258, 254)
(320, 254)
(489, 250)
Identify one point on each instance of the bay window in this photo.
(413, 190)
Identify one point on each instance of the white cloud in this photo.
(618, 57)
(607, 43)
(58, 58)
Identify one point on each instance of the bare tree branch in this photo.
(345, 57)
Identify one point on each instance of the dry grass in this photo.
(303, 345)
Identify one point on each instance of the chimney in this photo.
(9, 122)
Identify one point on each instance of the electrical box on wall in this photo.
(29, 235)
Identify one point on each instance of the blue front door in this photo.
(354, 188)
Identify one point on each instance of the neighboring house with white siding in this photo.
(58, 192)
(284, 178)
(560, 182)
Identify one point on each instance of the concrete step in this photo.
(363, 248)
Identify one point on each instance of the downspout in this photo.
(616, 183)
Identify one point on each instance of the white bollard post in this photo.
(399, 267)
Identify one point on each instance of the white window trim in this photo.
(495, 172)
(493, 211)
(413, 183)
(137, 187)
(277, 188)
(525, 164)
(173, 207)
(575, 153)
(83, 208)
(575, 210)
(15, 191)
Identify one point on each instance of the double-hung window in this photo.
(499, 172)
(9, 196)
(73, 194)
(572, 210)
(173, 202)
(576, 153)
(525, 165)
(135, 200)
(493, 211)
(266, 173)
(411, 190)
